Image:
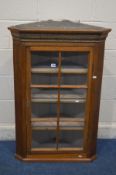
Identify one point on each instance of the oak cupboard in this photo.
(57, 74)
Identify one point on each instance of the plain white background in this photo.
(96, 12)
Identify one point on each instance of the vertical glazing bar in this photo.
(58, 104)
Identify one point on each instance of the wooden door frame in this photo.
(59, 49)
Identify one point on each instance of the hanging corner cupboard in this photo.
(57, 75)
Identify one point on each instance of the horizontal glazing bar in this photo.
(47, 119)
(43, 149)
(61, 86)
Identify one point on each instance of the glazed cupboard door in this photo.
(60, 83)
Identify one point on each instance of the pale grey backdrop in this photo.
(97, 12)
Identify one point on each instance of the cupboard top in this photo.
(59, 26)
(64, 28)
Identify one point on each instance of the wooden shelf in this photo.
(44, 100)
(63, 70)
(54, 124)
(68, 128)
(44, 128)
(44, 86)
(64, 124)
(44, 95)
(44, 70)
(52, 96)
(37, 119)
(70, 149)
(71, 119)
(41, 100)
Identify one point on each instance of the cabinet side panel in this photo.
(95, 98)
(20, 96)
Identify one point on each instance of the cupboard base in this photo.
(37, 158)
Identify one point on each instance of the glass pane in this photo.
(71, 139)
(44, 102)
(72, 110)
(73, 94)
(72, 103)
(74, 60)
(73, 79)
(42, 59)
(44, 95)
(74, 68)
(44, 110)
(71, 124)
(44, 124)
(44, 67)
(43, 139)
(44, 79)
